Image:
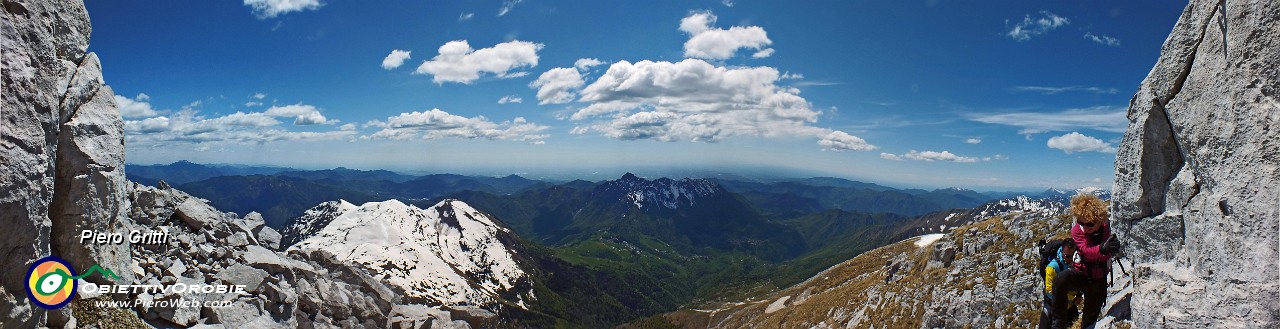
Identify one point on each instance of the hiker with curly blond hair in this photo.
(1095, 246)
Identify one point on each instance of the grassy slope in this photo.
(870, 290)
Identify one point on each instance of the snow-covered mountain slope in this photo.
(1020, 204)
(662, 192)
(313, 220)
(1065, 195)
(449, 253)
(944, 221)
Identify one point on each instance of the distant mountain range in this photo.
(184, 171)
(595, 253)
(281, 194)
(833, 193)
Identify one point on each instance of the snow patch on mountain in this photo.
(662, 192)
(928, 239)
(777, 305)
(1022, 204)
(449, 253)
(1090, 190)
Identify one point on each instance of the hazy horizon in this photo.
(741, 173)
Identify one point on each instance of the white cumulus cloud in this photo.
(265, 9)
(437, 124)
(932, 156)
(586, 63)
(458, 62)
(1028, 27)
(1076, 142)
(189, 126)
(395, 59)
(708, 42)
(466, 16)
(842, 141)
(973, 141)
(693, 100)
(138, 107)
(302, 114)
(252, 119)
(558, 85)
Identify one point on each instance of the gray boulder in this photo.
(268, 237)
(239, 274)
(197, 213)
(1198, 170)
(417, 317)
(182, 308)
(150, 205)
(237, 314)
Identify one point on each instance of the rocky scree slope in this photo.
(1198, 170)
(981, 274)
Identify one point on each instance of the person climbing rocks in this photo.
(1057, 258)
(1091, 263)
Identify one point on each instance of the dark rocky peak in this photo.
(662, 192)
(629, 177)
(447, 214)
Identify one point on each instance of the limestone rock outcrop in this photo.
(1198, 171)
(89, 174)
(61, 148)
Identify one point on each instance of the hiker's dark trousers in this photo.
(1095, 295)
(1047, 315)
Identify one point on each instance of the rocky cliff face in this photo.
(1198, 170)
(61, 148)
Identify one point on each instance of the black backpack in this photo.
(1048, 252)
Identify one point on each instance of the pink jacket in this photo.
(1092, 261)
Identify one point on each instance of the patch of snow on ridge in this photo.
(928, 239)
(449, 252)
(777, 305)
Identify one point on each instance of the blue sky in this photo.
(977, 94)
